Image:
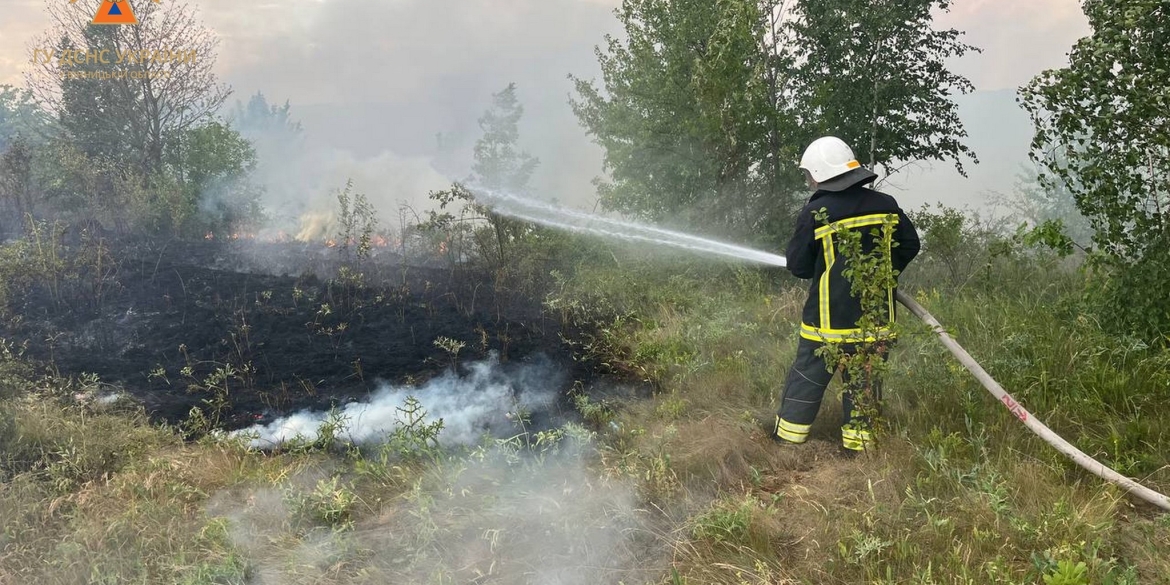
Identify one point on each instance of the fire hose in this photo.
(1040, 429)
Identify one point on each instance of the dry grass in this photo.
(687, 490)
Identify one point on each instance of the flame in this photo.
(316, 226)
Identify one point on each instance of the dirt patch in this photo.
(274, 321)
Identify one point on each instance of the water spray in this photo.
(550, 215)
(577, 221)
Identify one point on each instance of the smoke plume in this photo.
(486, 398)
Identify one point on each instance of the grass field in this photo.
(680, 486)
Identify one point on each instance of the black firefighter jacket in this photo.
(831, 311)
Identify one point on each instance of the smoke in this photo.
(301, 178)
(499, 519)
(377, 77)
(518, 511)
(486, 398)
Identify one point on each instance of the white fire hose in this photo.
(1092, 465)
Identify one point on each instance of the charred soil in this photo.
(273, 328)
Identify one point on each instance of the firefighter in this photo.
(831, 312)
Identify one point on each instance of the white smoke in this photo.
(306, 181)
(545, 517)
(486, 399)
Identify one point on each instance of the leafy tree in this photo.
(210, 166)
(471, 231)
(141, 146)
(1039, 202)
(16, 185)
(20, 116)
(695, 116)
(258, 117)
(499, 164)
(707, 105)
(1102, 132)
(873, 73)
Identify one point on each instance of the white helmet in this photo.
(828, 157)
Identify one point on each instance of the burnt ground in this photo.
(290, 336)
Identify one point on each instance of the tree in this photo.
(1037, 202)
(123, 91)
(695, 118)
(259, 118)
(15, 184)
(707, 105)
(1102, 131)
(499, 164)
(211, 166)
(20, 116)
(873, 73)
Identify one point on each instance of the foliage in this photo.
(471, 236)
(874, 74)
(705, 105)
(21, 116)
(134, 143)
(728, 521)
(695, 117)
(39, 266)
(872, 280)
(965, 249)
(1067, 573)
(357, 220)
(210, 167)
(16, 183)
(259, 118)
(499, 165)
(1039, 201)
(413, 436)
(1102, 133)
(330, 502)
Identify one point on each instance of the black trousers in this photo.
(804, 389)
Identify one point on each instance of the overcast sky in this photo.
(382, 78)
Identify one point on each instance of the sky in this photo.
(378, 82)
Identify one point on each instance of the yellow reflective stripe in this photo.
(890, 294)
(828, 335)
(794, 428)
(856, 440)
(830, 258)
(791, 437)
(791, 432)
(859, 434)
(853, 222)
